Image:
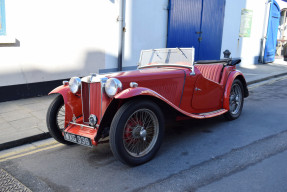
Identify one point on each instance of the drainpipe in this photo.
(121, 20)
(264, 34)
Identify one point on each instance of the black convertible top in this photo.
(230, 62)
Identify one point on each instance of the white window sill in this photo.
(7, 39)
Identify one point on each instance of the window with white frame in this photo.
(2, 18)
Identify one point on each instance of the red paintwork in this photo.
(85, 101)
(209, 97)
(233, 75)
(83, 131)
(203, 95)
(164, 81)
(131, 92)
(98, 102)
(211, 72)
(73, 105)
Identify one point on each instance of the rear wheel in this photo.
(56, 120)
(236, 100)
(136, 132)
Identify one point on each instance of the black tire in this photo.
(236, 100)
(52, 122)
(128, 136)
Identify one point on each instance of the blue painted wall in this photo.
(2, 18)
(198, 24)
(272, 31)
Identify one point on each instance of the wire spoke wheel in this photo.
(60, 118)
(235, 100)
(137, 131)
(140, 132)
(56, 119)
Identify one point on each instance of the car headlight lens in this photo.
(113, 86)
(75, 84)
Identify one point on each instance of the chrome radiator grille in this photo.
(91, 100)
(86, 101)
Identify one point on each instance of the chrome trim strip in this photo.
(82, 101)
(82, 125)
(103, 81)
(169, 65)
(89, 103)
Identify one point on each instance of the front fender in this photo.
(232, 76)
(73, 104)
(132, 92)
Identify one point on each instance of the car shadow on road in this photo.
(174, 133)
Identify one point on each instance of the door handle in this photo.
(198, 32)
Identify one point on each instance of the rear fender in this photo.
(73, 104)
(232, 76)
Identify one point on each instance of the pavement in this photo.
(24, 121)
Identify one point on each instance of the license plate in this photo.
(78, 139)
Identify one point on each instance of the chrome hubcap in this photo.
(140, 132)
(143, 134)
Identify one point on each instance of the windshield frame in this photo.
(189, 62)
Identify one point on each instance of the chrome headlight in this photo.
(75, 84)
(93, 120)
(113, 86)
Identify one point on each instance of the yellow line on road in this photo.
(28, 149)
(29, 152)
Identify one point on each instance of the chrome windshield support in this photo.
(170, 65)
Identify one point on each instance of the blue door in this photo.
(198, 24)
(272, 30)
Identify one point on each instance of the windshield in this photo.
(167, 56)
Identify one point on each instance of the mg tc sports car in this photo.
(129, 109)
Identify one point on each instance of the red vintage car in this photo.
(129, 108)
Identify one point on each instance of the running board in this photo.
(212, 113)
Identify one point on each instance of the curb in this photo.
(23, 141)
(266, 78)
(43, 136)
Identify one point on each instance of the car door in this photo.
(207, 95)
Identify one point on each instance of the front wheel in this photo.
(56, 119)
(236, 100)
(136, 132)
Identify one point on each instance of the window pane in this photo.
(2, 18)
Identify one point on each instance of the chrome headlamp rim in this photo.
(113, 86)
(93, 120)
(75, 84)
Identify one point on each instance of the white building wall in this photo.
(231, 28)
(58, 39)
(251, 46)
(146, 28)
(247, 48)
(282, 4)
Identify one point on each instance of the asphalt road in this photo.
(248, 154)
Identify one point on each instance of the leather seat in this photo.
(211, 71)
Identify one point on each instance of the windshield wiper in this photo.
(182, 52)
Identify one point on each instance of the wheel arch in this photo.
(73, 103)
(243, 81)
(232, 77)
(117, 103)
